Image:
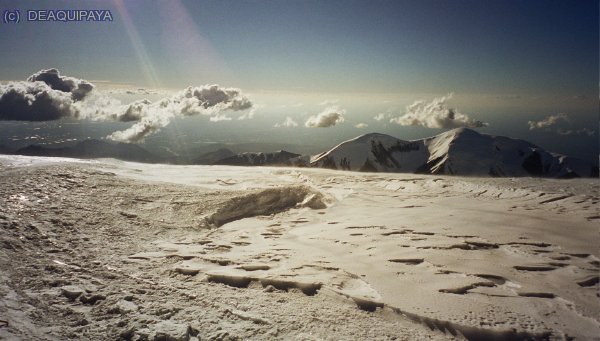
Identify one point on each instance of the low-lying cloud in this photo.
(582, 131)
(46, 96)
(327, 118)
(548, 121)
(207, 100)
(435, 114)
(137, 132)
(288, 123)
(219, 118)
(381, 116)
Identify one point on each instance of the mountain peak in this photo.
(462, 131)
(460, 151)
(369, 136)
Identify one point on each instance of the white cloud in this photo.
(35, 101)
(78, 88)
(435, 114)
(128, 89)
(548, 121)
(559, 119)
(248, 115)
(137, 132)
(207, 100)
(381, 116)
(288, 123)
(361, 125)
(327, 118)
(139, 91)
(47, 95)
(219, 118)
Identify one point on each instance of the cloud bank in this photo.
(435, 114)
(46, 96)
(207, 100)
(34, 101)
(327, 118)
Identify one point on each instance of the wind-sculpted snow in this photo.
(266, 202)
(118, 250)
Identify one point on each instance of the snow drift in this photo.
(266, 202)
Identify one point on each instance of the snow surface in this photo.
(294, 253)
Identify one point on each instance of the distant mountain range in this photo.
(213, 157)
(460, 151)
(278, 158)
(92, 149)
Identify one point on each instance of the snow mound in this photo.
(266, 202)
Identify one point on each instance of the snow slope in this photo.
(109, 250)
(459, 151)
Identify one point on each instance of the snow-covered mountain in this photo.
(459, 151)
(280, 158)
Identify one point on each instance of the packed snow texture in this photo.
(266, 202)
(118, 250)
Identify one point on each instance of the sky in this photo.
(318, 72)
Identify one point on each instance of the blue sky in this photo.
(507, 62)
(537, 47)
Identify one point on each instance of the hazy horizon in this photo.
(307, 73)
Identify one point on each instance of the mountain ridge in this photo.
(278, 158)
(93, 148)
(460, 151)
